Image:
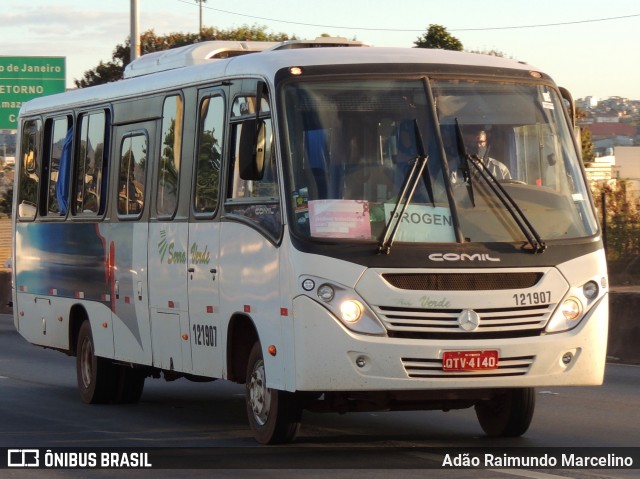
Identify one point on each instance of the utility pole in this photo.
(135, 34)
(200, 2)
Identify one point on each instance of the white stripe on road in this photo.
(529, 474)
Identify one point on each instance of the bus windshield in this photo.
(351, 143)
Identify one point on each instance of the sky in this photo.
(591, 47)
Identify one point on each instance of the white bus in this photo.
(342, 229)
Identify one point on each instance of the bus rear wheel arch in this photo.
(96, 376)
(99, 379)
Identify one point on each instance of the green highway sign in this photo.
(24, 78)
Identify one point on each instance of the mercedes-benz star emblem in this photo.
(469, 320)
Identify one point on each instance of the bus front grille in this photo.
(462, 281)
(495, 323)
(421, 368)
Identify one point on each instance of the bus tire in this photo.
(508, 414)
(129, 385)
(274, 415)
(96, 376)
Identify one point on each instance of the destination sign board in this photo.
(25, 78)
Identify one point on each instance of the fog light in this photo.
(567, 358)
(361, 362)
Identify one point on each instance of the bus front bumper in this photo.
(329, 357)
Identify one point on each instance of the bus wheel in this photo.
(96, 376)
(274, 415)
(129, 385)
(508, 414)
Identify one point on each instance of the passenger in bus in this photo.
(479, 146)
(317, 156)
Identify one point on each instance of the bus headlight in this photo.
(344, 304)
(571, 309)
(351, 311)
(579, 300)
(566, 317)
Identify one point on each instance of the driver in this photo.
(480, 147)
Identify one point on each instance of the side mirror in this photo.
(571, 106)
(252, 149)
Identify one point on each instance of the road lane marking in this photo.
(528, 474)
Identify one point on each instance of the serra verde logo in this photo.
(168, 250)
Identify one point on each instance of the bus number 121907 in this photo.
(204, 335)
(526, 299)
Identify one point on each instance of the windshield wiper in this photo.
(409, 185)
(529, 231)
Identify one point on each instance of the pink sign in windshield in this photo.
(339, 219)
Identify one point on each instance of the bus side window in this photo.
(170, 150)
(131, 183)
(256, 198)
(58, 162)
(266, 187)
(90, 164)
(210, 138)
(29, 170)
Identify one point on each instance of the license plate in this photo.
(469, 360)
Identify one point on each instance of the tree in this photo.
(588, 155)
(622, 217)
(149, 42)
(103, 73)
(6, 201)
(438, 37)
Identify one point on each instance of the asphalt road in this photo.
(40, 407)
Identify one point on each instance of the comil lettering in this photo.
(462, 257)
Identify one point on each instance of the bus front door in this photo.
(204, 305)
